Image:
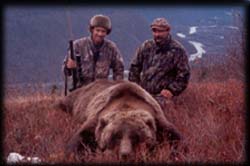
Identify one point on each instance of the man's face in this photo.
(98, 34)
(160, 34)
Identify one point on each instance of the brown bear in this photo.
(117, 114)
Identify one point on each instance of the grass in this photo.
(210, 115)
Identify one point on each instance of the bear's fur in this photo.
(117, 114)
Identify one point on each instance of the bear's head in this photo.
(124, 130)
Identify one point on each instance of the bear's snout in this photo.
(125, 147)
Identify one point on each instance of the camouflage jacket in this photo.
(91, 68)
(156, 68)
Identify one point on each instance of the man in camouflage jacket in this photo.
(160, 65)
(98, 55)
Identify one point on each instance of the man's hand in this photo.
(166, 93)
(70, 64)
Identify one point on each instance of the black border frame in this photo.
(244, 3)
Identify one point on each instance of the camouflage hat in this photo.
(100, 21)
(161, 23)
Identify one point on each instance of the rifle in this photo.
(74, 71)
(71, 47)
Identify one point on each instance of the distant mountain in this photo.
(36, 38)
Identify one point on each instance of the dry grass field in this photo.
(210, 115)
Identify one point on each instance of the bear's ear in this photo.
(63, 104)
(103, 123)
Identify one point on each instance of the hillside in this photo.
(210, 116)
(36, 37)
